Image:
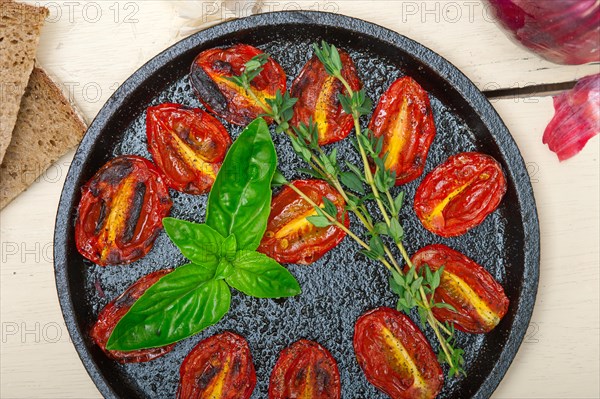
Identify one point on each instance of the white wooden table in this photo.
(93, 46)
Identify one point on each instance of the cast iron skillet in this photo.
(342, 285)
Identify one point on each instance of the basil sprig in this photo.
(222, 253)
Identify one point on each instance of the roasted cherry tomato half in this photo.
(219, 367)
(114, 312)
(305, 370)
(225, 98)
(405, 120)
(395, 355)
(479, 300)
(121, 211)
(188, 146)
(460, 193)
(290, 237)
(317, 95)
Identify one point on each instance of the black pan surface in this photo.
(343, 284)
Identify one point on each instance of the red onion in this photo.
(576, 118)
(562, 31)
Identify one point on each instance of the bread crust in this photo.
(47, 127)
(20, 26)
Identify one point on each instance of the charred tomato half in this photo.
(209, 74)
(219, 367)
(188, 146)
(460, 193)
(404, 119)
(305, 370)
(290, 236)
(318, 98)
(121, 210)
(479, 301)
(395, 355)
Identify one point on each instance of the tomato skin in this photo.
(308, 243)
(460, 193)
(114, 312)
(466, 318)
(121, 210)
(375, 355)
(305, 370)
(317, 95)
(175, 133)
(226, 99)
(219, 367)
(405, 119)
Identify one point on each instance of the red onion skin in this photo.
(576, 118)
(561, 31)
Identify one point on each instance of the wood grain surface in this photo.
(93, 46)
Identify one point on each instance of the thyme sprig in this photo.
(409, 286)
(414, 288)
(251, 70)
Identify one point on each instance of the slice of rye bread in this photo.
(47, 126)
(20, 26)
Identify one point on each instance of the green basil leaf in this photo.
(229, 248)
(257, 275)
(179, 305)
(240, 200)
(198, 242)
(224, 269)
